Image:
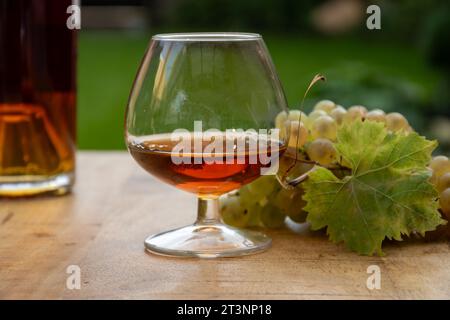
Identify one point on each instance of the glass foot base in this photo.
(208, 241)
(23, 186)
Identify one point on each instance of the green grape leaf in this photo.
(387, 194)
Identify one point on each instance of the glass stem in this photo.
(208, 211)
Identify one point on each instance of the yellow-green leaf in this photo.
(387, 194)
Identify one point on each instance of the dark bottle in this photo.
(37, 97)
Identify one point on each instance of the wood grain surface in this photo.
(101, 226)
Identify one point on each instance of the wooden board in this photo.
(115, 205)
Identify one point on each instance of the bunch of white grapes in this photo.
(263, 203)
(311, 139)
(313, 135)
(440, 167)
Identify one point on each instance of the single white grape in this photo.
(443, 182)
(294, 115)
(315, 114)
(297, 115)
(338, 114)
(295, 207)
(271, 216)
(280, 119)
(396, 122)
(250, 201)
(439, 165)
(233, 213)
(355, 113)
(263, 186)
(304, 118)
(324, 127)
(248, 198)
(255, 216)
(298, 134)
(281, 199)
(290, 203)
(376, 115)
(325, 105)
(444, 201)
(280, 124)
(321, 151)
(409, 129)
(358, 108)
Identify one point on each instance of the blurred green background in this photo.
(403, 67)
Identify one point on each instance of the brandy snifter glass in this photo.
(200, 117)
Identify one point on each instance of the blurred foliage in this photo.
(361, 84)
(435, 35)
(405, 66)
(404, 20)
(389, 76)
(435, 45)
(226, 15)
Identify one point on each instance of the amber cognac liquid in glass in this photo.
(37, 97)
(205, 174)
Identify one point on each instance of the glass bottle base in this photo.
(24, 186)
(207, 241)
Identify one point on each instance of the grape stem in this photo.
(296, 181)
(337, 167)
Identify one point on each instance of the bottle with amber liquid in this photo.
(37, 98)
